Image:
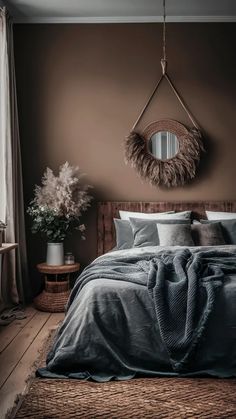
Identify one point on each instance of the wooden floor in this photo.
(20, 343)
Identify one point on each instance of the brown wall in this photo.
(81, 87)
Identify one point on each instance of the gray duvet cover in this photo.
(149, 312)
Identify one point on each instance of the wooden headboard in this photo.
(109, 210)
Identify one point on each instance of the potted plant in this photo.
(2, 228)
(57, 207)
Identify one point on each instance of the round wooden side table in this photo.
(57, 287)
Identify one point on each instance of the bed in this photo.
(146, 311)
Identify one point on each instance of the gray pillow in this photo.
(228, 229)
(209, 234)
(175, 234)
(124, 234)
(145, 231)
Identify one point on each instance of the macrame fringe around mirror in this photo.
(181, 168)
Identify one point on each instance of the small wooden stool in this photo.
(56, 293)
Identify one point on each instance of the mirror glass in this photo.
(163, 145)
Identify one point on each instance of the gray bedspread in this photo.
(150, 311)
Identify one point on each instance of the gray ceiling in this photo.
(88, 11)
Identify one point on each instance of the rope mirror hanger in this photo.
(181, 167)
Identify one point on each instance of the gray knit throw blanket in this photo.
(183, 287)
(182, 284)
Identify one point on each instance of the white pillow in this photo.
(184, 215)
(126, 215)
(212, 215)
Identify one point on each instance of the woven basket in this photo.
(53, 303)
(54, 298)
(56, 287)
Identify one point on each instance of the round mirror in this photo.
(163, 145)
(166, 153)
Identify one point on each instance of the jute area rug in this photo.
(172, 398)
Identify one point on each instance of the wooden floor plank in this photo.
(16, 349)
(16, 383)
(9, 332)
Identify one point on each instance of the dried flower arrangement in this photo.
(58, 204)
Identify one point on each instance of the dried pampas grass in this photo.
(175, 171)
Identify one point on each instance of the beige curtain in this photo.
(15, 287)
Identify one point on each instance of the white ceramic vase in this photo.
(55, 254)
